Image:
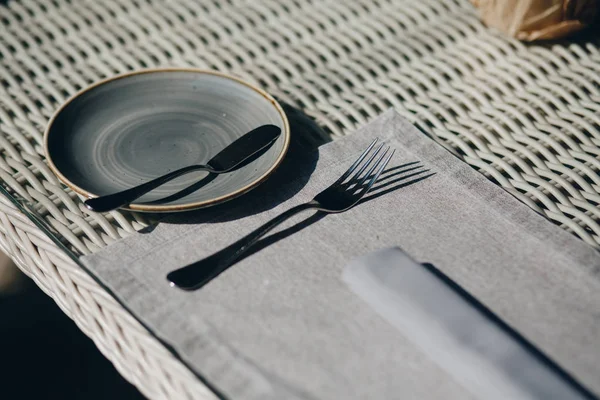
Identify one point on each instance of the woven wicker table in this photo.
(526, 116)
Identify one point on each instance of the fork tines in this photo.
(368, 171)
(363, 174)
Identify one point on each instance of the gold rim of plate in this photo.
(174, 207)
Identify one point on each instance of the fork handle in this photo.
(197, 274)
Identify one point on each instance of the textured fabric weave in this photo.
(282, 324)
(525, 115)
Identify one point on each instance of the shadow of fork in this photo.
(391, 180)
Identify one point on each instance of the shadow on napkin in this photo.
(287, 180)
(390, 180)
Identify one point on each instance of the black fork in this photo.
(342, 195)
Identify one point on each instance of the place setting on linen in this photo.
(281, 271)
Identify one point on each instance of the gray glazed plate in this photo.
(132, 128)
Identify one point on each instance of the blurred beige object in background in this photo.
(538, 19)
(11, 278)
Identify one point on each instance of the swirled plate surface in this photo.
(135, 127)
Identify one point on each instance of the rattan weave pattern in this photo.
(525, 115)
(137, 355)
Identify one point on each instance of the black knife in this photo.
(236, 155)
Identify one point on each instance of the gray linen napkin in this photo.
(282, 323)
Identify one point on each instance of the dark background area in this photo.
(44, 355)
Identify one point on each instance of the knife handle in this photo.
(125, 197)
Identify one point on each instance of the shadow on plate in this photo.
(287, 180)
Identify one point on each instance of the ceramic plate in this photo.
(132, 128)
